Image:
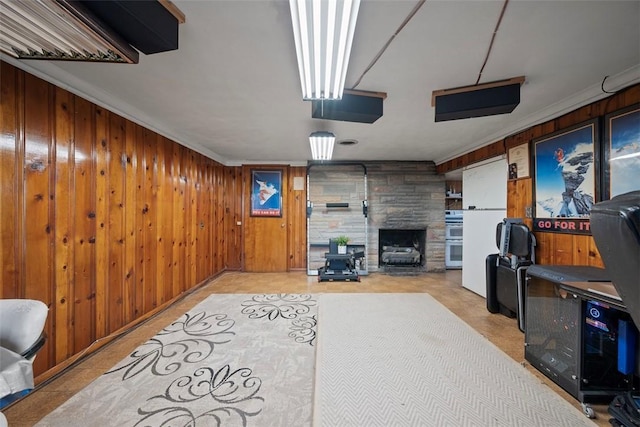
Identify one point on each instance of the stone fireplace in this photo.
(408, 197)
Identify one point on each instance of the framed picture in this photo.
(518, 158)
(621, 152)
(266, 193)
(566, 167)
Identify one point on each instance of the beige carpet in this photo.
(405, 360)
(382, 360)
(233, 360)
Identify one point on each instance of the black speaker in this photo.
(146, 25)
(351, 108)
(477, 102)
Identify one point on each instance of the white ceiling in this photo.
(231, 91)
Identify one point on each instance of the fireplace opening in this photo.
(401, 247)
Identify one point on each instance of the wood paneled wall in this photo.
(100, 218)
(297, 220)
(553, 248)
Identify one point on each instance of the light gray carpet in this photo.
(405, 360)
(382, 360)
(232, 360)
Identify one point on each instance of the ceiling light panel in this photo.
(323, 33)
(58, 30)
(322, 145)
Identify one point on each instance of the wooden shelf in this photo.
(453, 203)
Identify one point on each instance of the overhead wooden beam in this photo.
(382, 95)
(173, 9)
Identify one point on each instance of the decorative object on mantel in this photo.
(342, 244)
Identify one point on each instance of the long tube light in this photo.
(59, 30)
(323, 33)
(322, 145)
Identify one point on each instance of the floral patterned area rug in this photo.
(233, 360)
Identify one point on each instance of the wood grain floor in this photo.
(445, 287)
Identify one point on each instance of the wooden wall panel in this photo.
(233, 214)
(161, 220)
(115, 240)
(190, 219)
(488, 151)
(130, 165)
(101, 219)
(138, 209)
(64, 225)
(178, 205)
(217, 217)
(218, 203)
(11, 174)
(84, 236)
(167, 220)
(149, 214)
(553, 248)
(297, 223)
(38, 194)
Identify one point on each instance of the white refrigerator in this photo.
(484, 192)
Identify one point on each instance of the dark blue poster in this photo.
(266, 193)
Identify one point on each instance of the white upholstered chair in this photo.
(21, 336)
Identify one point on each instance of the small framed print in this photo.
(266, 193)
(518, 158)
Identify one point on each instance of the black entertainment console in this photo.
(578, 332)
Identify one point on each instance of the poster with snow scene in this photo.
(565, 179)
(621, 166)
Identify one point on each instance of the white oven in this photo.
(453, 253)
(453, 231)
(453, 238)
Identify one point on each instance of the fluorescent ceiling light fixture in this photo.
(59, 30)
(321, 145)
(323, 32)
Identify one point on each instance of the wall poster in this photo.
(266, 193)
(621, 163)
(566, 164)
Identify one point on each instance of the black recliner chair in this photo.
(506, 271)
(615, 226)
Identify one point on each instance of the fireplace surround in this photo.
(402, 195)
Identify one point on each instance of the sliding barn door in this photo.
(265, 219)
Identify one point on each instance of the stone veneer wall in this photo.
(402, 195)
